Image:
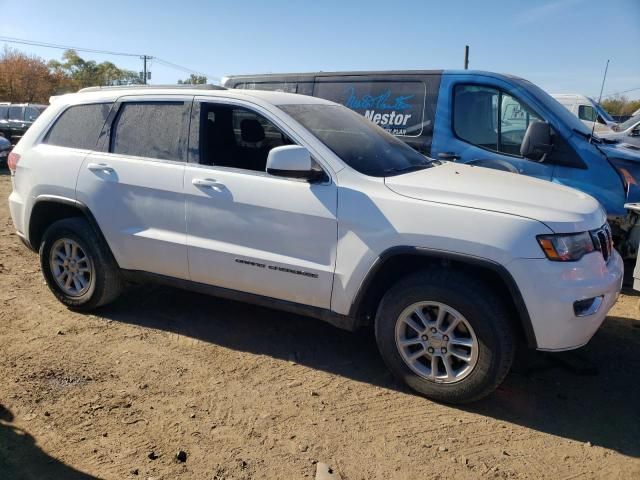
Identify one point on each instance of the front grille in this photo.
(603, 241)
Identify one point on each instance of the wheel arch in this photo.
(400, 261)
(48, 209)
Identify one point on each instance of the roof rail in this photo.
(207, 86)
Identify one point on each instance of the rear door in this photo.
(134, 185)
(482, 121)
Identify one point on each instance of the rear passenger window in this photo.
(15, 113)
(79, 126)
(150, 129)
(3, 112)
(30, 114)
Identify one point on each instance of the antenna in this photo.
(599, 98)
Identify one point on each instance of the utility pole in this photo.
(144, 68)
(466, 57)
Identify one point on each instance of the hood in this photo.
(562, 209)
(622, 150)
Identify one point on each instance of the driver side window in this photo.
(490, 118)
(233, 136)
(587, 113)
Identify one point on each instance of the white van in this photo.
(587, 110)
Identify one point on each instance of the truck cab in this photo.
(482, 118)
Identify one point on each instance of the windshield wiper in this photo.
(408, 168)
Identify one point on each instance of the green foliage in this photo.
(194, 80)
(87, 73)
(620, 105)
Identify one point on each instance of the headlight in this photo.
(566, 247)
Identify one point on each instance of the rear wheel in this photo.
(78, 266)
(445, 335)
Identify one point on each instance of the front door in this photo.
(134, 185)
(248, 230)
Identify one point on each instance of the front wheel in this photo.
(78, 266)
(445, 335)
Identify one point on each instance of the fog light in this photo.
(588, 306)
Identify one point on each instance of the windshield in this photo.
(601, 111)
(556, 108)
(360, 143)
(629, 123)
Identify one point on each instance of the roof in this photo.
(308, 76)
(256, 96)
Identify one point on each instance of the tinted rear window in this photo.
(31, 113)
(3, 112)
(15, 113)
(79, 126)
(150, 129)
(396, 106)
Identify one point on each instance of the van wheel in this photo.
(78, 266)
(445, 335)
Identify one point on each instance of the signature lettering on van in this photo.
(378, 102)
(392, 119)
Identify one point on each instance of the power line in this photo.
(184, 69)
(618, 93)
(23, 41)
(66, 47)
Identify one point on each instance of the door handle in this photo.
(100, 167)
(449, 156)
(208, 182)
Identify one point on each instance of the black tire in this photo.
(105, 283)
(482, 309)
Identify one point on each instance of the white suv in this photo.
(300, 204)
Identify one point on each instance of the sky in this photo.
(561, 45)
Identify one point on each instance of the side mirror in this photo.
(536, 143)
(292, 161)
(635, 132)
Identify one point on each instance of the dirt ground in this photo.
(248, 393)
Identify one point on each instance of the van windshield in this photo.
(601, 111)
(360, 143)
(571, 120)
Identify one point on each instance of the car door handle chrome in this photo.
(100, 167)
(208, 182)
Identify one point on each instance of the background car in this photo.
(627, 132)
(587, 110)
(5, 148)
(15, 119)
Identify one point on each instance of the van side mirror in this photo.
(536, 143)
(635, 132)
(292, 161)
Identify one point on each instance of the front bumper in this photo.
(549, 290)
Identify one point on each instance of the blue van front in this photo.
(467, 129)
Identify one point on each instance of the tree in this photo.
(25, 78)
(194, 80)
(620, 105)
(88, 73)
